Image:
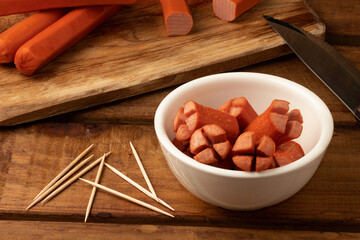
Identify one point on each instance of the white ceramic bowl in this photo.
(238, 190)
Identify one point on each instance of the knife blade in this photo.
(332, 68)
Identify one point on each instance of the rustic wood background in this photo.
(32, 154)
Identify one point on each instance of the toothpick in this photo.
(132, 182)
(131, 199)
(91, 200)
(65, 170)
(44, 194)
(143, 172)
(70, 181)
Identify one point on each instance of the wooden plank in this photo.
(131, 54)
(30, 156)
(341, 19)
(71, 230)
(141, 109)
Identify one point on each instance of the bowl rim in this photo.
(327, 125)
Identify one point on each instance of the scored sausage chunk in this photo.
(266, 146)
(293, 127)
(243, 162)
(277, 123)
(209, 145)
(293, 130)
(213, 136)
(244, 144)
(263, 163)
(272, 122)
(194, 116)
(241, 109)
(249, 156)
(288, 152)
(243, 151)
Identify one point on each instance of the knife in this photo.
(337, 72)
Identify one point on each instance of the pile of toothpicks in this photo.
(70, 174)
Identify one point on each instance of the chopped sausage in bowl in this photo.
(243, 141)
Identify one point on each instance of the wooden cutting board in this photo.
(130, 54)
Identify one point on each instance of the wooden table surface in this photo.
(328, 207)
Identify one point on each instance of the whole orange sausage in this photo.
(21, 32)
(177, 17)
(8, 7)
(59, 36)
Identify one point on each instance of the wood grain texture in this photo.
(32, 154)
(329, 201)
(52, 230)
(131, 54)
(340, 28)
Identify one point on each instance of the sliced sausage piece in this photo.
(190, 107)
(241, 109)
(244, 144)
(263, 163)
(272, 122)
(229, 10)
(181, 145)
(243, 162)
(21, 32)
(183, 133)
(293, 130)
(273, 164)
(279, 106)
(214, 133)
(225, 107)
(179, 119)
(211, 137)
(198, 115)
(223, 149)
(295, 115)
(206, 156)
(177, 17)
(278, 122)
(266, 147)
(243, 151)
(198, 141)
(288, 152)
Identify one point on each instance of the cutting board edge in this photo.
(124, 93)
